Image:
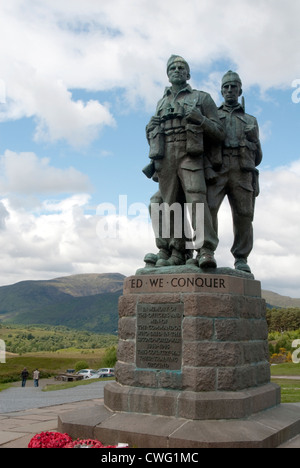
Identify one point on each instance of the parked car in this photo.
(106, 372)
(88, 373)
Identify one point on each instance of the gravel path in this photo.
(29, 397)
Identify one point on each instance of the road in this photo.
(17, 398)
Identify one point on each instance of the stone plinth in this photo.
(192, 346)
(193, 367)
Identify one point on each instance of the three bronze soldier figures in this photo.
(198, 155)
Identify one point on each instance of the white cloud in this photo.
(64, 238)
(265, 131)
(52, 47)
(59, 117)
(25, 173)
(61, 239)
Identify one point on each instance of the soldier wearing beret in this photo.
(183, 132)
(238, 176)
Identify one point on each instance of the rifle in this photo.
(243, 103)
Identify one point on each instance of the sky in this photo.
(79, 81)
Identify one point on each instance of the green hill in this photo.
(88, 302)
(276, 300)
(83, 302)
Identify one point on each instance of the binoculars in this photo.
(176, 112)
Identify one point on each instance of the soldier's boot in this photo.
(177, 258)
(206, 259)
(242, 265)
(150, 258)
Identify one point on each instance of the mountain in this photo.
(88, 284)
(84, 302)
(276, 300)
(88, 301)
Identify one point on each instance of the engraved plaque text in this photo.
(159, 336)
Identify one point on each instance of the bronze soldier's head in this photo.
(231, 88)
(178, 69)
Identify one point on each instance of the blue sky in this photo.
(80, 80)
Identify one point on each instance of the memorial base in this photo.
(191, 405)
(193, 367)
(267, 429)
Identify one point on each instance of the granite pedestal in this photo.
(193, 365)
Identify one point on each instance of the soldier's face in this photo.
(178, 73)
(231, 92)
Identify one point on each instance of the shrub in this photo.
(81, 365)
(110, 357)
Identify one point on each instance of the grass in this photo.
(66, 385)
(286, 369)
(49, 363)
(4, 386)
(290, 390)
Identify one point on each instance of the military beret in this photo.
(231, 76)
(177, 58)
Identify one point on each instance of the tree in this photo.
(81, 365)
(110, 357)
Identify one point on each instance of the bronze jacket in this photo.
(241, 133)
(203, 137)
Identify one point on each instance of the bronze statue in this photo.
(184, 136)
(238, 176)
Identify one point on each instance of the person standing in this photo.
(181, 135)
(24, 376)
(238, 176)
(36, 376)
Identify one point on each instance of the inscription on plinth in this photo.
(189, 283)
(172, 283)
(159, 336)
